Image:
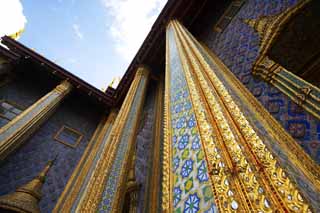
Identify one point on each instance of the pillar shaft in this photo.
(152, 199)
(19, 129)
(245, 173)
(76, 186)
(107, 186)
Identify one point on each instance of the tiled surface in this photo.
(238, 47)
(24, 92)
(144, 147)
(122, 151)
(192, 190)
(30, 158)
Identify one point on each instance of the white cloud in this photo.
(132, 20)
(12, 18)
(76, 29)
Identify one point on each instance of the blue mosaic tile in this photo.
(238, 47)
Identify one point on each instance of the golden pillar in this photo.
(17, 130)
(152, 198)
(107, 185)
(246, 172)
(132, 187)
(79, 179)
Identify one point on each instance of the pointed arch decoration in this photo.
(269, 29)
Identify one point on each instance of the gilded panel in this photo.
(191, 190)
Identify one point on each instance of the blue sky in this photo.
(94, 39)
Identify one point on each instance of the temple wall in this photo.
(30, 158)
(237, 46)
(145, 139)
(23, 90)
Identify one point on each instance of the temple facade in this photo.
(218, 112)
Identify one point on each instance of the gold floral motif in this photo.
(300, 159)
(219, 162)
(92, 195)
(239, 169)
(167, 200)
(278, 77)
(275, 181)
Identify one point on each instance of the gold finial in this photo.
(261, 24)
(115, 81)
(26, 198)
(17, 35)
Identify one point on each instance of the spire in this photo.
(268, 27)
(261, 24)
(115, 81)
(26, 198)
(17, 35)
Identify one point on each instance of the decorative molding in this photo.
(112, 168)
(299, 159)
(269, 29)
(255, 175)
(301, 92)
(167, 188)
(79, 179)
(152, 195)
(16, 131)
(66, 128)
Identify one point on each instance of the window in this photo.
(8, 111)
(68, 136)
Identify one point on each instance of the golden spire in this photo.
(26, 198)
(17, 35)
(268, 27)
(115, 81)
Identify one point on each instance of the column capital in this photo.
(64, 86)
(16, 131)
(142, 70)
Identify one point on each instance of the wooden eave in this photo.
(23, 52)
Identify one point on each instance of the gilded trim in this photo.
(220, 160)
(155, 173)
(269, 29)
(241, 140)
(91, 198)
(56, 136)
(68, 198)
(167, 177)
(18, 129)
(299, 159)
(143, 74)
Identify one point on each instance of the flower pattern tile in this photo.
(192, 189)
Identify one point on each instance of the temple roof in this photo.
(192, 13)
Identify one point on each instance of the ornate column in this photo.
(132, 188)
(76, 186)
(152, 198)
(17, 130)
(106, 188)
(246, 169)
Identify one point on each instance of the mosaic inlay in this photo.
(191, 187)
(238, 48)
(113, 178)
